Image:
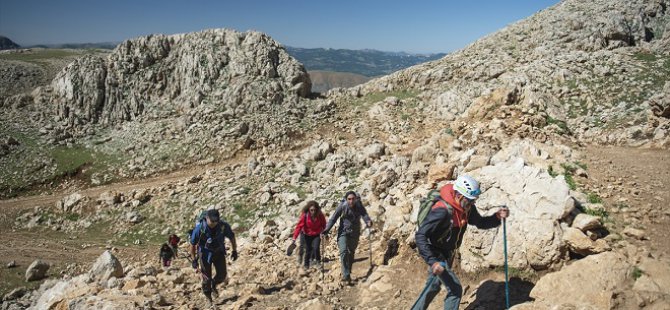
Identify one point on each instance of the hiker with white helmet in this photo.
(441, 228)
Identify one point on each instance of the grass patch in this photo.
(594, 198)
(69, 161)
(71, 216)
(581, 165)
(42, 55)
(562, 125)
(571, 182)
(645, 56)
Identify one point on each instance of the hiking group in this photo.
(442, 221)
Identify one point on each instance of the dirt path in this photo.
(633, 182)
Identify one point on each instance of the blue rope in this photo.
(506, 274)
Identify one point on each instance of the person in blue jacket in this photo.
(441, 233)
(349, 211)
(208, 236)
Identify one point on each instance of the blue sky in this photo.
(416, 26)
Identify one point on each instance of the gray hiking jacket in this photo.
(350, 218)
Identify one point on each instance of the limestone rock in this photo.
(105, 267)
(580, 243)
(587, 283)
(37, 270)
(586, 222)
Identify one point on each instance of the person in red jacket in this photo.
(311, 224)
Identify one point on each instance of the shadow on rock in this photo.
(491, 294)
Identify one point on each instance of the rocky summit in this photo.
(563, 117)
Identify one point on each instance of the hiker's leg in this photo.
(206, 270)
(344, 256)
(301, 250)
(309, 250)
(220, 266)
(352, 244)
(316, 245)
(454, 289)
(429, 292)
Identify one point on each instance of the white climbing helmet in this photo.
(467, 186)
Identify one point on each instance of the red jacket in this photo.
(311, 227)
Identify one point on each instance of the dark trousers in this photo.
(312, 249)
(301, 251)
(219, 262)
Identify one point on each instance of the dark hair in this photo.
(350, 193)
(310, 204)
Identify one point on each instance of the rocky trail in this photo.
(482, 290)
(535, 112)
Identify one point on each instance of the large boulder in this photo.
(105, 267)
(590, 283)
(536, 201)
(37, 270)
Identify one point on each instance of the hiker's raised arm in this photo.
(482, 222)
(364, 214)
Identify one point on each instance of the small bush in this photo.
(637, 273)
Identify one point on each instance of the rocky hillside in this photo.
(7, 44)
(512, 109)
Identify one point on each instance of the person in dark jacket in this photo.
(349, 211)
(208, 236)
(165, 255)
(310, 225)
(441, 233)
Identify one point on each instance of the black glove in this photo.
(194, 263)
(234, 255)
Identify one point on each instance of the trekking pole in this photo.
(506, 274)
(428, 285)
(370, 245)
(321, 258)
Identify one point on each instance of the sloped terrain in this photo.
(523, 110)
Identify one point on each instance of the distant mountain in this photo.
(100, 45)
(366, 62)
(325, 80)
(7, 44)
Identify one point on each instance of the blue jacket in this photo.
(211, 240)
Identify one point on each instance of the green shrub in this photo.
(637, 273)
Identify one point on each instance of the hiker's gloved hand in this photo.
(437, 268)
(503, 213)
(194, 264)
(233, 255)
